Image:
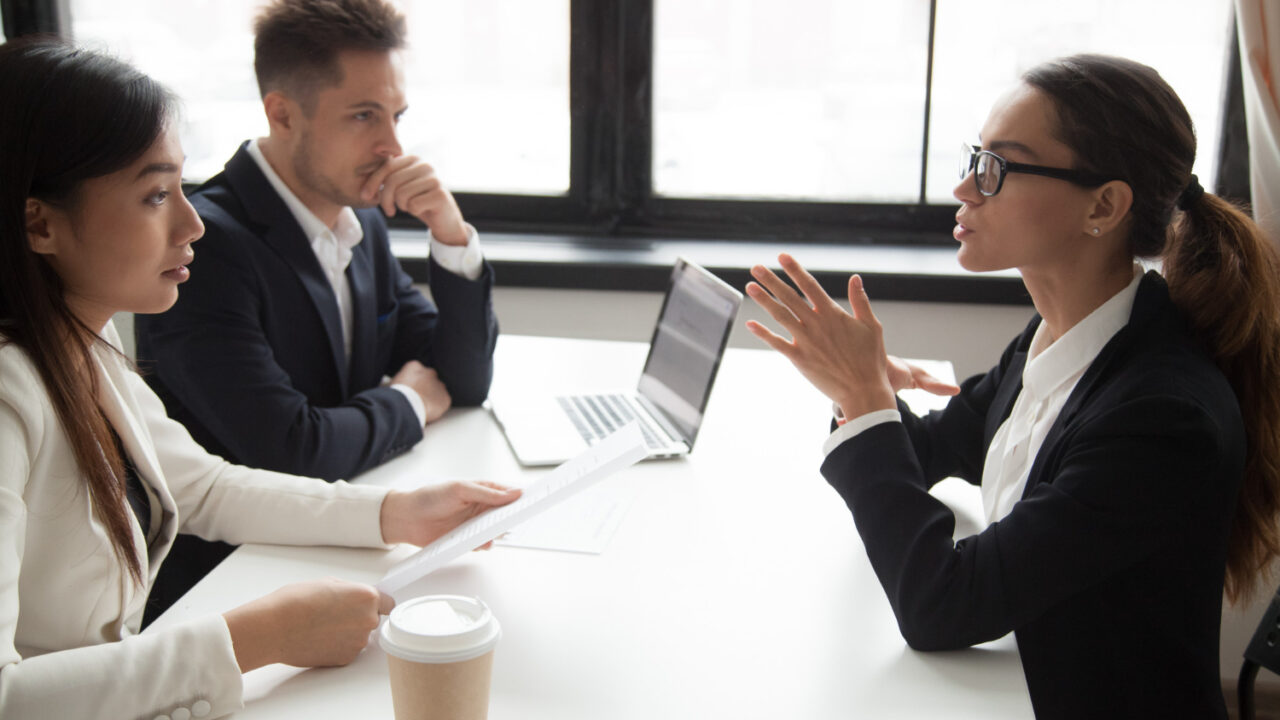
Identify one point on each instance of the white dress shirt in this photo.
(1050, 374)
(333, 248)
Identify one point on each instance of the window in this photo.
(982, 46)
(487, 82)
(799, 119)
(804, 99)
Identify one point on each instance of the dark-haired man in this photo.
(276, 352)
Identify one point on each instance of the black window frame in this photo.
(610, 201)
(610, 176)
(611, 194)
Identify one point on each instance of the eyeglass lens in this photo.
(988, 173)
(985, 167)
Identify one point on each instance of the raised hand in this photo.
(905, 376)
(840, 353)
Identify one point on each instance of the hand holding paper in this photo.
(422, 516)
(621, 449)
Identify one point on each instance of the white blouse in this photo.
(1050, 374)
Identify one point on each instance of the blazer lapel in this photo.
(282, 234)
(1006, 394)
(116, 401)
(1151, 302)
(363, 318)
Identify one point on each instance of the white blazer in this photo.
(70, 612)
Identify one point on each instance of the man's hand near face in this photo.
(409, 184)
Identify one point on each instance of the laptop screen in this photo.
(688, 342)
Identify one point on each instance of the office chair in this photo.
(1263, 651)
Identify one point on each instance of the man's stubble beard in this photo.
(316, 182)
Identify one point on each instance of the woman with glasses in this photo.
(95, 481)
(1127, 443)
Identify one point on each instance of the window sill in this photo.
(906, 273)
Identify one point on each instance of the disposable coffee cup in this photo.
(440, 657)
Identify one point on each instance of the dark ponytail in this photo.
(1224, 273)
(66, 116)
(1124, 121)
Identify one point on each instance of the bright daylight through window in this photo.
(771, 99)
(824, 99)
(488, 82)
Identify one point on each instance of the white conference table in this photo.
(736, 585)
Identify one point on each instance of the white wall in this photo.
(971, 336)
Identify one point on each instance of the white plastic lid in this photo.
(440, 629)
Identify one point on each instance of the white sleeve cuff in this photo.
(415, 401)
(857, 426)
(462, 260)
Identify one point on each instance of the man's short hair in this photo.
(297, 42)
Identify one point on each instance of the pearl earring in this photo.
(1096, 231)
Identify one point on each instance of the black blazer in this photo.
(250, 358)
(1110, 569)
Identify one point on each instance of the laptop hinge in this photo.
(660, 417)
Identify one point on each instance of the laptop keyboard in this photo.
(597, 416)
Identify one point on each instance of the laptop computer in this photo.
(684, 355)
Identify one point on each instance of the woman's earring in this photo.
(1096, 231)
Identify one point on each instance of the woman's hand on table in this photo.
(840, 353)
(322, 623)
(327, 622)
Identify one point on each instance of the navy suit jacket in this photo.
(250, 358)
(1110, 569)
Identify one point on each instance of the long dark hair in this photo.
(1124, 121)
(67, 115)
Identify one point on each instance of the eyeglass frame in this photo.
(1083, 178)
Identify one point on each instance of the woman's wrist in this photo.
(856, 404)
(388, 517)
(251, 629)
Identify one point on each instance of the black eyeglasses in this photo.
(989, 170)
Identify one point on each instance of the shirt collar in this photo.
(346, 230)
(1051, 365)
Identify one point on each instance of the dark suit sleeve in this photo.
(1122, 489)
(950, 442)
(456, 336)
(210, 353)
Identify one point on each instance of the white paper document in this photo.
(583, 523)
(622, 449)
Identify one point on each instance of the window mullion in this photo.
(635, 99)
(28, 17)
(928, 102)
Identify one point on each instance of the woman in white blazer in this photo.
(95, 480)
